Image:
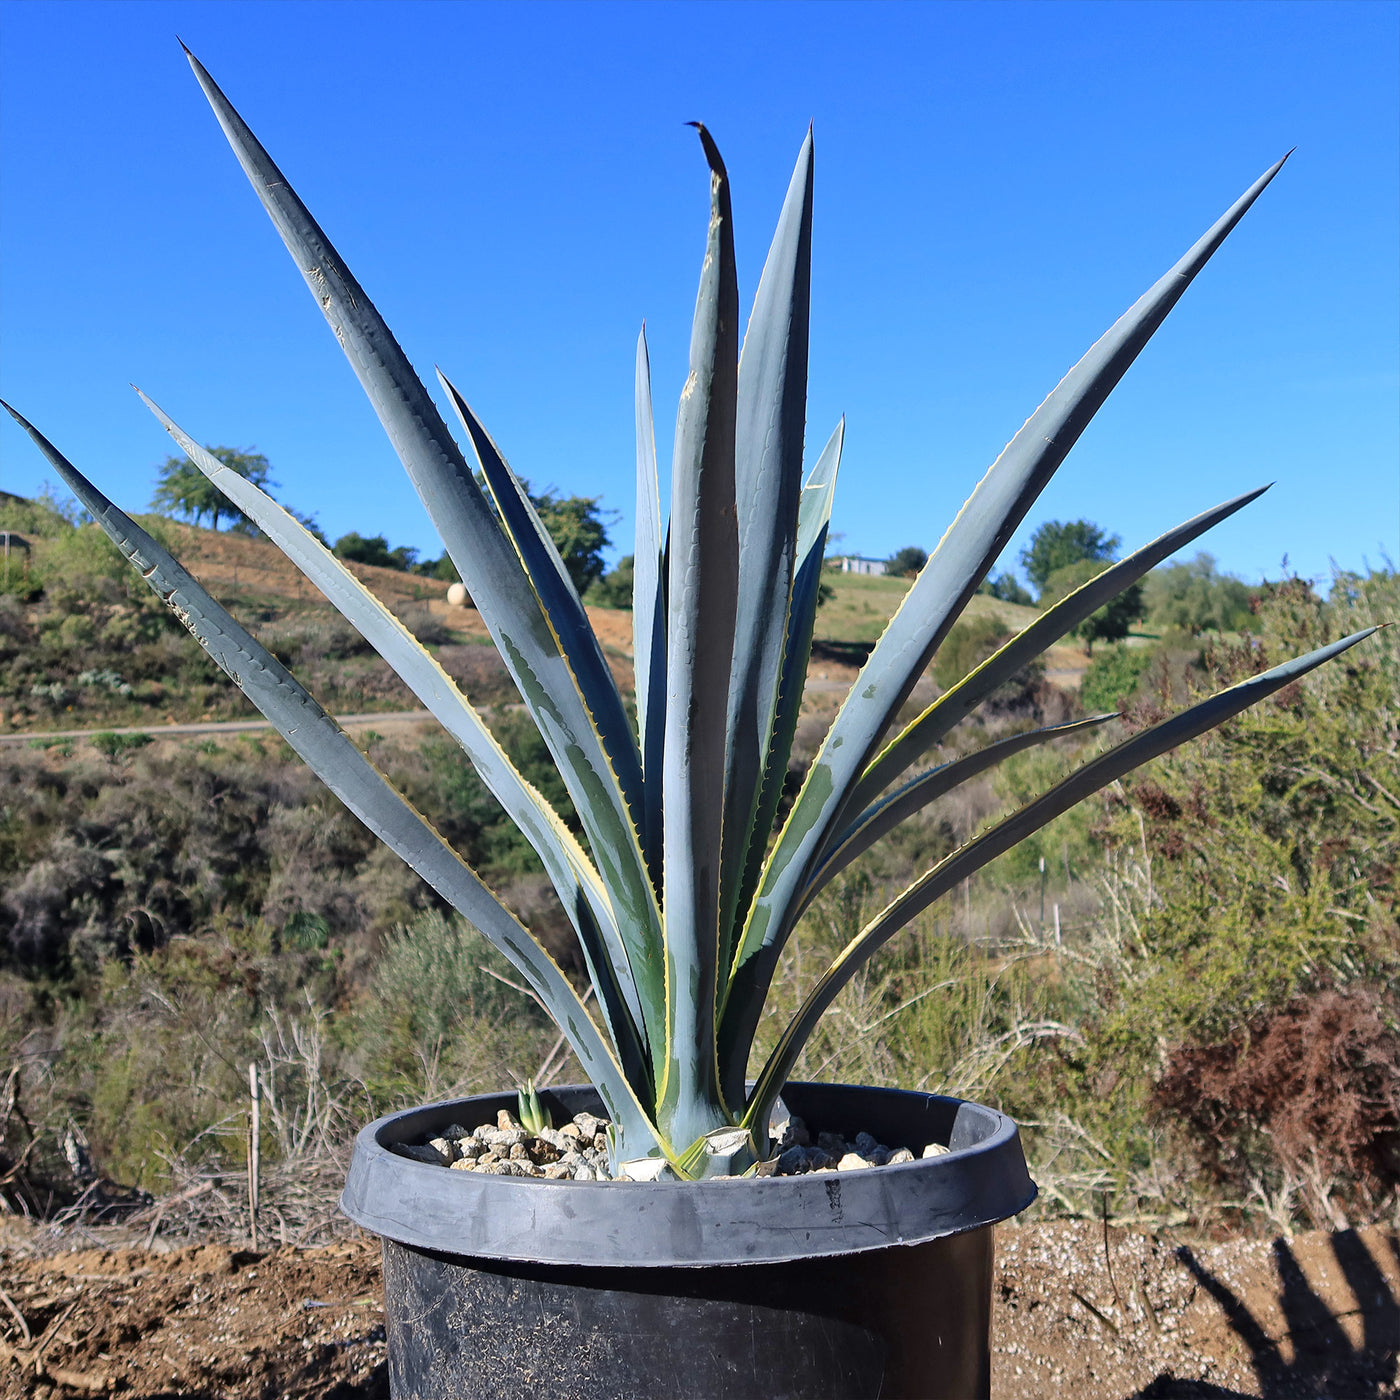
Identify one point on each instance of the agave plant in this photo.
(681, 894)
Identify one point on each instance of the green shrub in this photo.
(116, 746)
(906, 562)
(1195, 598)
(1114, 676)
(1247, 873)
(966, 646)
(1112, 621)
(440, 1013)
(614, 588)
(44, 516)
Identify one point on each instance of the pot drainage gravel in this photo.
(578, 1151)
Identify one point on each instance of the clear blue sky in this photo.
(515, 187)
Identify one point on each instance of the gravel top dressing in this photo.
(578, 1151)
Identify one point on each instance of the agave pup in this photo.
(680, 894)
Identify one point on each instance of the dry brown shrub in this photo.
(1316, 1087)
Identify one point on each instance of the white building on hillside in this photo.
(856, 564)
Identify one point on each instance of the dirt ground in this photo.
(1318, 1316)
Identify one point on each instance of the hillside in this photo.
(86, 646)
(855, 616)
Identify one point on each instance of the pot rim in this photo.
(982, 1179)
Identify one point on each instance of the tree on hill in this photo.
(966, 647)
(442, 568)
(46, 514)
(375, 550)
(906, 562)
(614, 588)
(1058, 544)
(574, 523)
(1007, 589)
(183, 490)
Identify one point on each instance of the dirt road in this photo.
(224, 726)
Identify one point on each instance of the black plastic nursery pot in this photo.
(829, 1286)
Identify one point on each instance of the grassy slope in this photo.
(265, 592)
(92, 615)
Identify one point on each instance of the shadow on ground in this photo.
(1321, 1359)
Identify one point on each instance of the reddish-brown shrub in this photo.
(1316, 1087)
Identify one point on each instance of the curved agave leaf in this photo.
(771, 419)
(813, 519)
(928, 787)
(649, 613)
(539, 555)
(700, 638)
(616, 844)
(581, 891)
(956, 703)
(814, 507)
(946, 582)
(333, 757)
(814, 515)
(1084, 782)
(595, 752)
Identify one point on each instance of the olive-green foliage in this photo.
(930, 1011)
(1109, 623)
(375, 550)
(115, 747)
(1250, 867)
(436, 1005)
(906, 562)
(1275, 839)
(614, 588)
(83, 643)
(440, 568)
(305, 638)
(150, 1054)
(87, 635)
(152, 1057)
(1113, 676)
(577, 527)
(967, 645)
(45, 515)
(101, 860)
(1196, 597)
(155, 912)
(1067, 845)
(1007, 588)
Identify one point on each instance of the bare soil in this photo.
(1318, 1316)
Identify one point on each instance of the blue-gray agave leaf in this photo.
(591, 741)
(701, 598)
